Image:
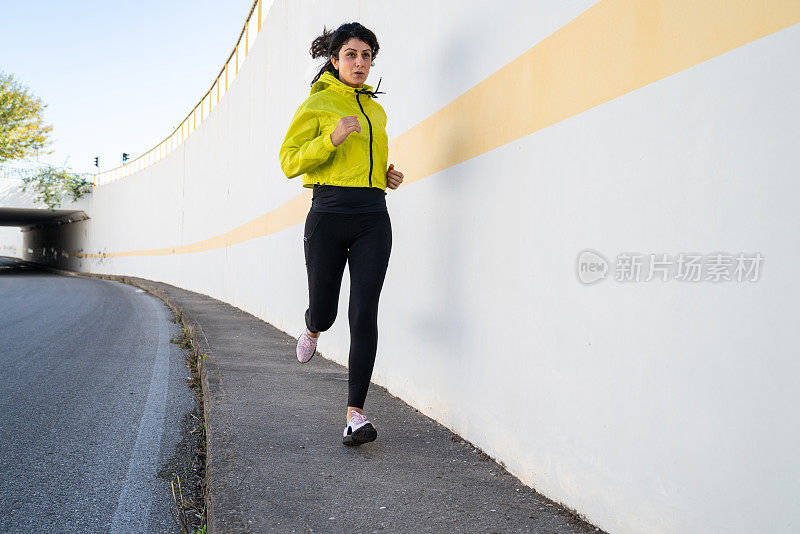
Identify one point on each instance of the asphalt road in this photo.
(93, 405)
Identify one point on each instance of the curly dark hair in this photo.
(330, 43)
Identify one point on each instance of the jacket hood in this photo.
(329, 80)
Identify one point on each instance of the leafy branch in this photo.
(52, 183)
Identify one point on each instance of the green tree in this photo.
(24, 134)
(22, 129)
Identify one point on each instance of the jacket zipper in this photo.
(370, 138)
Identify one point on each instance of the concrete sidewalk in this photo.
(276, 462)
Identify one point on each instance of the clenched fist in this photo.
(393, 178)
(346, 126)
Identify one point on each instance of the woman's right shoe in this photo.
(358, 430)
(306, 347)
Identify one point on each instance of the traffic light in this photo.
(97, 161)
(125, 157)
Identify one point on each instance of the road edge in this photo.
(204, 361)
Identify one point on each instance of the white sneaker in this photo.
(306, 347)
(358, 430)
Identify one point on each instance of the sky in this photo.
(116, 76)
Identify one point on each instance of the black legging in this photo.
(364, 240)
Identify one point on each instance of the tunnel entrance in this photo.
(51, 236)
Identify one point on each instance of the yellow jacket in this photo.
(360, 161)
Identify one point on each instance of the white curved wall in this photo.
(647, 407)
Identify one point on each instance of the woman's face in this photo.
(355, 59)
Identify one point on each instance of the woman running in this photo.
(337, 141)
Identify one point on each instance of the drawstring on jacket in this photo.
(372, 93)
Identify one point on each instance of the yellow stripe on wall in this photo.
(276, 220)
(611, 49)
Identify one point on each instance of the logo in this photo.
(592, 267)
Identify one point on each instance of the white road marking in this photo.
(133, 506)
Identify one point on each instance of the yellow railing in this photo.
(230, 69)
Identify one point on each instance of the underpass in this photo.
(23, 217)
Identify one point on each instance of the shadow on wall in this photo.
(449, 330)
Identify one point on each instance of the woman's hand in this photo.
(346, 126)
(393, 178)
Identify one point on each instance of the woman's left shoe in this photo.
(358, 430)
(306, 347)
